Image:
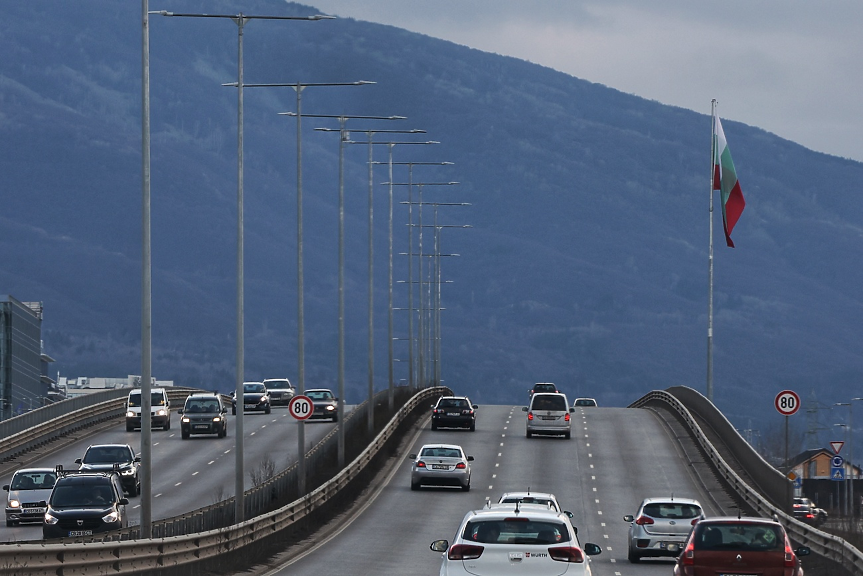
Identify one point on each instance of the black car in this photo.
(326, 404)
(454, 412)
(83, 504)
(104, 457)
(255, 398)
(543, 387)
(203, 414)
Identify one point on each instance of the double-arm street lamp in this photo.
(239, 505)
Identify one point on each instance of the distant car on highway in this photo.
(441, 465)
(732, 545)
(530, 541)
(160, 409)
(25, 493)
(255, 398)
(203, 413)
(326, 404)
(806, 511)
(542, 387)
(529, 497)
(281, 391)
(454, 412)
(109, 457)
(660, 526)
(548, 413)
(584, 402)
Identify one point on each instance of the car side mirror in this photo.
(803, 551)
(224, 409)
(77, 460)
(180, 411)
(629, 518)
(570, 515)
(475, 407)
(412, 456)
(439, 546)
(592, 549)
(6, 487)
(123, 501)
(524, 408)
(470, 458)
(572, 409)
(137, 458)
(43, 504)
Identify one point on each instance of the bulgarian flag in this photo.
(725, 180)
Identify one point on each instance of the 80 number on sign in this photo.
(787, 402)
(301, 407)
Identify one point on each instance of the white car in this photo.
(541, 498)
(548, 413)
(441, 465)
(660, 526)
(518, 540)
(29, 489)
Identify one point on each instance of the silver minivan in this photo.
(548, 413)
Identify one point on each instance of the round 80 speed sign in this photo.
(787, 402)
(301, 407)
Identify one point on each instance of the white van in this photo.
(160, 409)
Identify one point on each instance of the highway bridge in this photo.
(616, 457)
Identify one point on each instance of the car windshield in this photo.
(549, 402)
(33, 481)
(671, 510)
(544, 388)
(253, 388)
(453, 403)
(529, 500)
(739, 537)
(516, 531)
(107, 455)
(156, 399)
(75, 495)
(585, 402)
(320, 395)
(202, 406)
(440, 452)
(278, 385)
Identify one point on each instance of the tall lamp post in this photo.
(849, 479)
(240, 20)
(146, 281)
(343, 138)
(301, 339)
(845, 490)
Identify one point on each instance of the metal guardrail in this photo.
(822, 543)
(136, 556)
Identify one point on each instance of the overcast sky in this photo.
(791, 67)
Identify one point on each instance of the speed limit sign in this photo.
(301, 407)
(787, 402)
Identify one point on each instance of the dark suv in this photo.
(204, 414)
(119, 457)
(543, 387)
(83, 504)
(454, 411)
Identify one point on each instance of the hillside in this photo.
(586, 263)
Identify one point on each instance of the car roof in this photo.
(441, 446)
(527, 494)
(286, 380)
(38, 470)
(670, 500)
(533, 511)
(205, 394)
(585, 398)
(82, 477)
(510, 506)
(138, 390)
(108, 446)
(320, 390)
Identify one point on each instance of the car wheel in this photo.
(528, 434)
(9, 523)
(472, 426)
(268, 409)
(130, 427)
(223, 432)
(633, 557)
(335, 418)
(167, 425)
(234, 410)
(184, 435)
(567, 435)
(466, 488)
(434, 425)
(415, 486)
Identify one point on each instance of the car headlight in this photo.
(217, 419)
(262, 398)
(331, 408)
(185, 420)
(161, 412)
(14, 504)
(49, 519)
(112, 516)
(130, 414)
(126, 472)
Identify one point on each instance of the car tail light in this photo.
(464, 552)
(688, 556)
(789, 554)
(461, 466)
(566, 417)
(530, 415)
(695, 521)
(421, 464)
(642, 520)
(566, 554)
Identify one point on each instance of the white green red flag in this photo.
(725, 180)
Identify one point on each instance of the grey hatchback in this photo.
(548, 413)
(661, 526)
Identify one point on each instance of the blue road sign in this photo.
(798, 482)
(837, 461)
(837, 473)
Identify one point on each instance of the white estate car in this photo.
(441, 465)
(519, 540)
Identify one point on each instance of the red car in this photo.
(731, 545)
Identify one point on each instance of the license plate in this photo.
(453, 414)
(549, 417)
(34, 510)
(440, 467)
(81, 533)
(201, 426)
(671, 547)
(247, 406)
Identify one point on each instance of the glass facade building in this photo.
(21, 385)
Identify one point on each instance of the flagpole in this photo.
(710, 255)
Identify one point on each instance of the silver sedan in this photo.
(441, 465)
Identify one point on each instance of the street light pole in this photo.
(240, 20)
